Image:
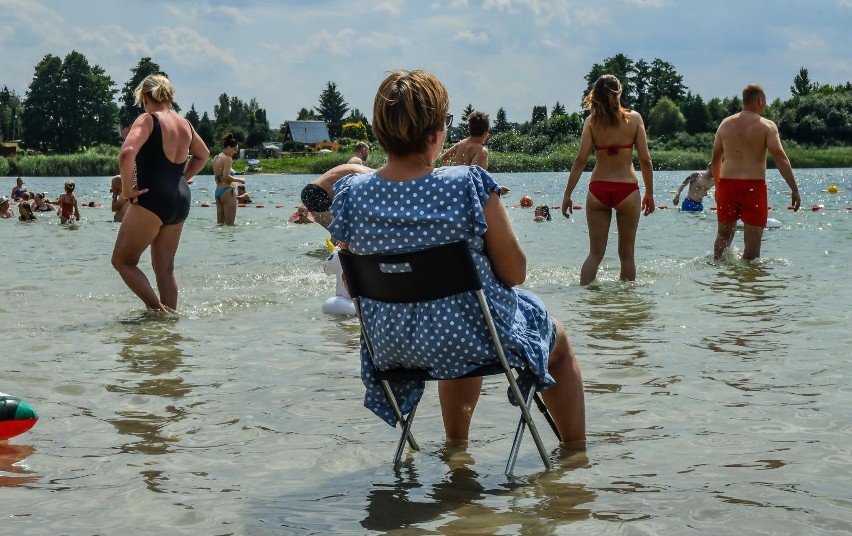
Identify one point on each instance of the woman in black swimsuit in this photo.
(156, 149)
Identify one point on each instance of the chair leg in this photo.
(406, 434)
(543, 409)
(526, 419)
(406, 423)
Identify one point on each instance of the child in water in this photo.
(302, 215)
(68, 204)
(542, 213)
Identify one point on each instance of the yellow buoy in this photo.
(832, 189)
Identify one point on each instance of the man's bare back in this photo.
(745, 138)
(739, 155)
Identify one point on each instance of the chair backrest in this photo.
(415, 276)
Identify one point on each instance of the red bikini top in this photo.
(612, 149)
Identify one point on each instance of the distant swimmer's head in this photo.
(478, 123)
(69, 186)
(155, 87)
(410, 106)
(543, 211)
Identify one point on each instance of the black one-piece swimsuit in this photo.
(168, 195)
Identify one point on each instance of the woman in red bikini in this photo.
(611, 131)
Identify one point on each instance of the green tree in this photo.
(128, 111)
(802, 84)
(306, 115)
(501, 123)
(558, 109)
(192, 116)
(821, 118)
(206, 130)
(103, 111)
(622, 68)
(732, 105)
(42, 115)
(716, 111)
(665, 118)
(332, 108)
(459, 129)
(641, 80)
(70, 105)
(695, 111)
(664, 81)
(87, 108)
(222, 112)
(11, 111)
(539, 113)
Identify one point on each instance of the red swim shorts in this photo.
(742, 199)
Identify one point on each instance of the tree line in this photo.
(72, 105)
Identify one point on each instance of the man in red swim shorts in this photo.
(739, 165)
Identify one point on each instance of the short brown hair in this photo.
(752, 92)
(409, 106)
(477, 123)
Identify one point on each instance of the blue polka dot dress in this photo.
(447, 336)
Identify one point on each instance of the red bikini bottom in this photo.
(612, 193)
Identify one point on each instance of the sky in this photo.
(513, 54)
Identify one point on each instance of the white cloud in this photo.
(648, 3)
(391, 7)
(501, 5)
(469, 36)
(226, 13)
(844, 3)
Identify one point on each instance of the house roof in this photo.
(308, 131)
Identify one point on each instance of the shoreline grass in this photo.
(104, 162)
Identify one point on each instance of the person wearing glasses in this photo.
(407, 205)
(471, 151)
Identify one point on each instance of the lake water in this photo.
(718, 394)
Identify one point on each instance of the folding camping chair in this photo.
(426, 275)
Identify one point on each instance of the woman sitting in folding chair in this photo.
(408, 205)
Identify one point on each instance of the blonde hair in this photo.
(604, 101)
(409, 106)
(156, 87)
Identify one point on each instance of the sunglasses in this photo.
(449, 120)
